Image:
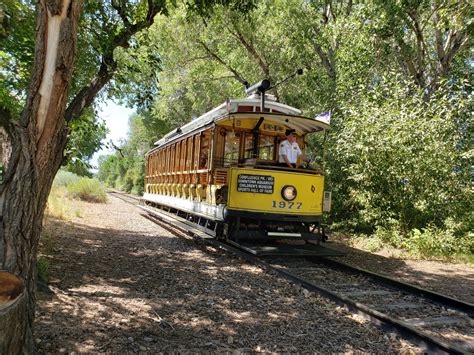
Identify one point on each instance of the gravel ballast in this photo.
(119, 282)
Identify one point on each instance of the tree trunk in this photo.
(35, 146)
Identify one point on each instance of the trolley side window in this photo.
(183, 155)
(168, 160)
(176, 147)
(204, 151)
(189, 155)
(231, 148)
(197, 148)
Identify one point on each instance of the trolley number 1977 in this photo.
(287, 205)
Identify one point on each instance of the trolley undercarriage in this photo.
(243, 228)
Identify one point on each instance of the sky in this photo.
(116, 120)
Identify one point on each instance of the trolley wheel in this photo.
(325, 237)
(220, 231)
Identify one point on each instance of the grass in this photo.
(57, 204)
(86, 189)
(65, 186)
(47, 247)
(465, 258)
(424, 245)
(65, 178)
(42, 269)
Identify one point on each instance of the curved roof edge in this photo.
(231, 107)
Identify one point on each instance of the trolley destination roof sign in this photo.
(261, 184)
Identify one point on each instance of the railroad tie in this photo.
(433, 321)
(404, 305)
(367, 293)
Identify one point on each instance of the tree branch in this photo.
(328, 63)
(407, 62)
(87, 94)
(237, 76)
(118, 149)
(252, 51)
(122, 12)
(446, 49)
(6, 117)
(420, 51)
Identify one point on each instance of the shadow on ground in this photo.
(426, 274)
(113, 290)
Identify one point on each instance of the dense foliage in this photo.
(395, 75)
(16, 58)
(402, 167)
(125, 169)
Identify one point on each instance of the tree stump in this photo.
(13, 301)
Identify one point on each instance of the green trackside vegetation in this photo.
(396, 76)
(66, 186)
(87, 189)
(69, 185)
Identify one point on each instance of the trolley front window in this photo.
(266, 147)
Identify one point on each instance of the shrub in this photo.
(47, 247)
(401, 167)
(87, 190)
(42, 269)
(433, 241)
(64, 178)
(56, 207)
(446, 241)
(127, 184)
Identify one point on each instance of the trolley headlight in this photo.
(288, 192)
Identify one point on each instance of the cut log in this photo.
(11, 288)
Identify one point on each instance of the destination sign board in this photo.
(260, 184)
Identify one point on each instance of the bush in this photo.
(42, 269)
(56, 207)
(127, 184)
(87, 190)
(433, 241)
(401, 166)
(446, 241)
(64, 178)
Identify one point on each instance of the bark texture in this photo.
(36, 145)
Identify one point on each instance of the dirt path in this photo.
(120, 283)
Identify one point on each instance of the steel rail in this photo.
(443, 300)
(380, 319)
(122, 194)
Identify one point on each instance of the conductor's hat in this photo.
(289, 131)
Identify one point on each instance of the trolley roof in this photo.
(278, 113)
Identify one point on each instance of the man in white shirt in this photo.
(289, 150)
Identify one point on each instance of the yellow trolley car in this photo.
(221, 171)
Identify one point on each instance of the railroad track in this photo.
(124, 196)
(435, 322)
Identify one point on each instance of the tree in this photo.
(84, 139)
(33, 143)
(125, 168)
(16, 59)
(16, 53)
(427, 38)
(362, 60)
(219, 55)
